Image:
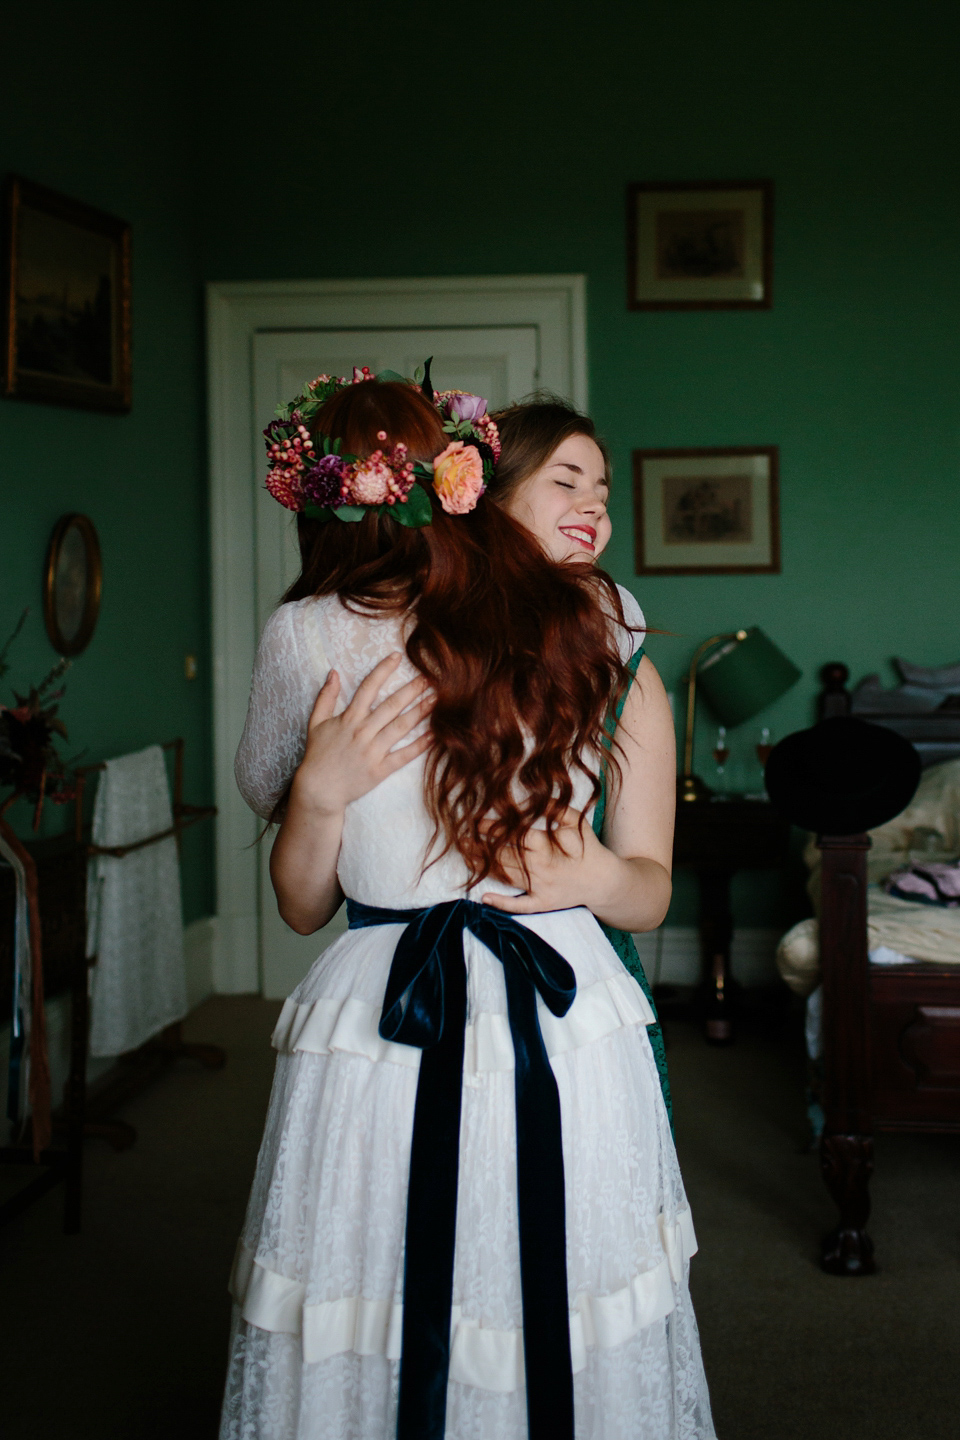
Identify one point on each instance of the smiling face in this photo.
(564, 503)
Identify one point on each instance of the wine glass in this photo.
(721, 751)
(764, 746)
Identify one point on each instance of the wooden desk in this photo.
(716, 838)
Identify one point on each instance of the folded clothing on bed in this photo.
(928, 884)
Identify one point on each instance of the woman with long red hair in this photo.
(467, 1218)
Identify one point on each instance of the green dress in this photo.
(622, 940)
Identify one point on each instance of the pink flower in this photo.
(283, 484)
(458, 478)
(487, 431)
(368, 481)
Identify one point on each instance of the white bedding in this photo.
(897, 930)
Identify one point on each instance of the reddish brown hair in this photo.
(530, 432)
(519, 650)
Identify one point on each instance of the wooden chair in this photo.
(61, 886)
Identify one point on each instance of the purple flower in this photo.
(322, 484)
(277, 430)
(467, 407)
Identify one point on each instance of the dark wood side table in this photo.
(716, 838)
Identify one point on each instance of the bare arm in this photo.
(638, 828)
(625, 880)
(346, 756)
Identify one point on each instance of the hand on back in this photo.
(558, 878)
(349, 754)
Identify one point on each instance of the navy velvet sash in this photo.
(425, 1005)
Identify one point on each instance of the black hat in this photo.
(843, 776)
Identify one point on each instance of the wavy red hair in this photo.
(519, 650)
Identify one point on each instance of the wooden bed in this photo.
(891, 1035)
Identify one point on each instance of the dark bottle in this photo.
(718, 1010)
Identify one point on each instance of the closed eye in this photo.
(565, 484)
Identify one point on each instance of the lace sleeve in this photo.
(290, 668)
(630, 640)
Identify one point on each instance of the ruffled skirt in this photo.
(319, 1272)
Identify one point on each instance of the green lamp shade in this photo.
(743, 677)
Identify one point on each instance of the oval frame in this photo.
(91, 602)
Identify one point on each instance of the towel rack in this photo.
(183, 815)
(131, 1072)
(80, 1116)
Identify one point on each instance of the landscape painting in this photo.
(68, 326)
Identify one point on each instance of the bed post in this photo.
(846, 1147)
(834, 698)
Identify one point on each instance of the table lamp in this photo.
(741, 678)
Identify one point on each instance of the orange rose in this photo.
(458, 477)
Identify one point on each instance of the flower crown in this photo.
(311, 476)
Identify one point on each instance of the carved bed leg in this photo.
(846, 1149)
(846, 1163)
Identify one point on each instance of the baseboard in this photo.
(199, 948)
(671, 955)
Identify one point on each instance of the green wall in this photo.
(386, 140)
(417, 141)
(95, 109)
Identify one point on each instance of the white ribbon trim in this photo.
(485, 1358)
(350, 1026)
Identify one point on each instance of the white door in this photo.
(498, 362)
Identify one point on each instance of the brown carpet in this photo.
(120, 1333)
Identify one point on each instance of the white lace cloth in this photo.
(134, 918)
(319, 1273)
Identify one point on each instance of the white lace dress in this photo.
(318, 1279)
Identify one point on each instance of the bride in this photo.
(467, 1217)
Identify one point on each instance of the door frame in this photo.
(236, 312)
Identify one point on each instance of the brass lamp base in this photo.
(691, 788)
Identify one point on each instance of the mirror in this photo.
(73, 580)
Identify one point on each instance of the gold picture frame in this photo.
(68, 292)
(709, 511)
(72, 584)
(700, 245)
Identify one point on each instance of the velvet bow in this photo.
(425, 1005)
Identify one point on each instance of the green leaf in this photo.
(318, 512)
(415, 511)
(350, 513)
(423, 471)
(391, 375)
(418, 375)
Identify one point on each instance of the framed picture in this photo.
(68, 301)
(700, 245)
(707, 512)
